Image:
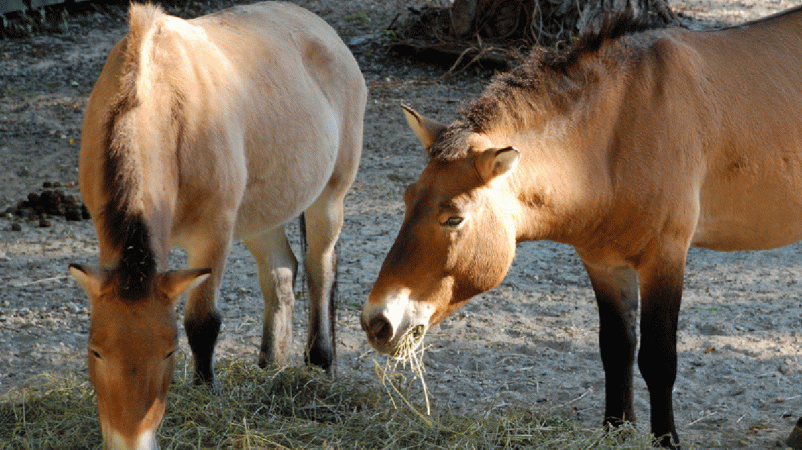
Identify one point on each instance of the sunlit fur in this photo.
(196, 133)
(632, 147)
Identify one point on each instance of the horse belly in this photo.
(285, 179)
(760, 217)
(292, 118)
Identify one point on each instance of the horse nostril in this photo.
(380, 328)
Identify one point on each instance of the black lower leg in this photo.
(321, 350)
(202, 335)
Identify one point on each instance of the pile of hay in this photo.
(293, 409)
(502, 32)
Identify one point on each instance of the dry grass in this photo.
(408, 354)
(294, 409)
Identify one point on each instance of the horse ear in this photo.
(176, 282)
(426, 129)
(91, 278)
(495, 163)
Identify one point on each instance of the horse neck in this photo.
(140, 173)
(563, 181)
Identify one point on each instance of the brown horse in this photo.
(632, 147)
(198, 132)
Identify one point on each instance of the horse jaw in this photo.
(390, 321)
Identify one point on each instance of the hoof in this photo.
(201, 379)
(325, 360)
(667, 441)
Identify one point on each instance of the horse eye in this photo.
(453, 221)
(96, 354)
(169, 354)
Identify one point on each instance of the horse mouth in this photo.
(409, 342)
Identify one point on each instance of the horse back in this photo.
(228, 109)
(698, 136)
(293, 65)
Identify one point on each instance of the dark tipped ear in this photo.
(91, 278)
(426, 129)
(176, 282)
(494, 163)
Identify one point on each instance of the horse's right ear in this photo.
(91, 278)
(426, 129)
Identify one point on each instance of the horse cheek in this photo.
(493, 255)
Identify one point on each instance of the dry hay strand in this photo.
(54, 413)
(250, 408)
(409, 353)
(295, 408)
(503, 32)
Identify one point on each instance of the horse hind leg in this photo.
(323, 222)
(277, 267)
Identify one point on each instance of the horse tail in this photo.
(302, 226)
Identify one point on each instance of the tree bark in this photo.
(549, 19)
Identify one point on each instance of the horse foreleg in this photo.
(202, 319)
(661, 295)
(277, 269)
(323, 223)
(617, 296)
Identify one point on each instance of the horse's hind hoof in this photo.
(318, 358)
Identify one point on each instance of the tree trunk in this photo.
(593, 13)
(547, 20)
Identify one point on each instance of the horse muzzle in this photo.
(396, 326)
(114, 441)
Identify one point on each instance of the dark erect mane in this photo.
(124, 222)
(518, 91)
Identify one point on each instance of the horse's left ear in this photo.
(91, 278)
(176, 282)
(426, 129)
(495, 163)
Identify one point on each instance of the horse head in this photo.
(131, 351)
(457, 238)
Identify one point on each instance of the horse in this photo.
(199, 132)
(632, 146)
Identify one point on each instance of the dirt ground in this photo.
(532, 340)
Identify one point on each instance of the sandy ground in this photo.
(532, 340)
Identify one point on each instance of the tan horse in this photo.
(632, 147)
(198, 132)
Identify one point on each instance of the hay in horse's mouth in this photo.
(409, 342)
(406, 353)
